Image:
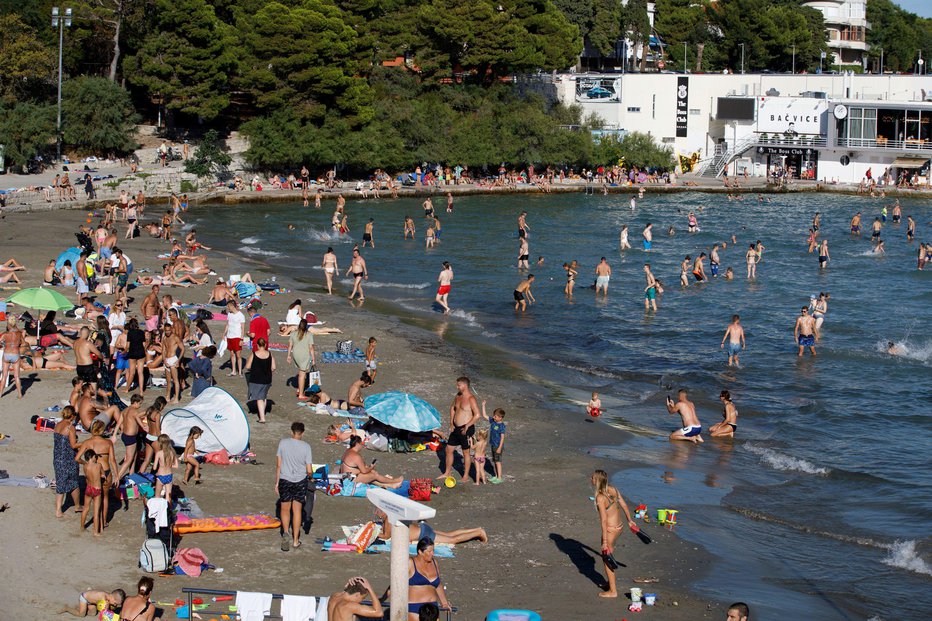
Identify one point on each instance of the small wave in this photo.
(382, 285)
(491, 335)
(249, 240)
(461, 314)
(903, 555)
(259, 252)
(786, 463)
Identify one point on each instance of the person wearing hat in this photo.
(259, 327)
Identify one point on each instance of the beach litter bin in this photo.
(513, 615)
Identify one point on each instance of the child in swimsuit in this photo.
(165, 463)
(93, 474)
(190, 457)
(480, 443)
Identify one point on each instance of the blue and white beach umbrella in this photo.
(402, 411)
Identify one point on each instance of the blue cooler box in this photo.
(513, 615)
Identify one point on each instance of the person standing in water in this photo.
(692, 428)
(804, 331)
(449, 202)
(625, 245)
(367, 234)
(734, 334)
(358, 269)
(714, 260)
(443, 291)
(648, 236)
(330, 268)
(650, 291)
(910, 228)
(823, 254)
(428, 208)
(603, 273)
(409, 227)
(523, 254)
(571, 274)
(523, 294)
(816, 221)
(610, 505)
(684, 271)
(751, 258)
(523, 227)
(856, 224)
(699, 269)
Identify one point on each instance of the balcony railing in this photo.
(917, 144)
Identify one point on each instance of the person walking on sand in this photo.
(610, 505)
(650, 291)
(804, 331)
(523, 295)
(734, 334)
(293, 466)
(692, 428)
(330, 268)
(358, 269)
(648, 236)
(464, 412)
(603, 273)
(443, 291)
(729, 424)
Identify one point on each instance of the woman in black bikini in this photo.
(728, 426)
(138, 607)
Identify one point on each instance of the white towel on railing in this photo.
(322, 610)
(298, 608)
(253, 606)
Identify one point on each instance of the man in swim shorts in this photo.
(804, 331)
(603, 273)
(692, 428)
(150, 309)
(367, 235)
(443, 291)
(648, 236)
(856, 224)
(734, 334)
(650, 291)
(522, 293)
(464, 412)
(875, 230)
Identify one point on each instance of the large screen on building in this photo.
(735, 109)
(792, 115)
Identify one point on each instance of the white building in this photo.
(841, 124)
(846, 24)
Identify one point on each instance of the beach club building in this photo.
(828, 127)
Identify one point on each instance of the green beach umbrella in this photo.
(40, 298)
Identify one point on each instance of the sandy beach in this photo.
(543, 527)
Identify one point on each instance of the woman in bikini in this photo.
(729, 424)
(319, 397)
(103, 448)
(424, 582)
(571, 274)
(330, 268)
(751, 259)
(138, 607)
(172, 350)
(610, 504)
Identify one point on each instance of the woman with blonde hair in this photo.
(165, 463)
(610, 504)
(301, 352)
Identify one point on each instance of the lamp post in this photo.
(685, 53)
(920, 63)
(742, 58)
(881, 61)
(794, 59)
(60, 21)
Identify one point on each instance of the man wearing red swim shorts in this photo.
(443, 292)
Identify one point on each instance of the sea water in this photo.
(821, 507)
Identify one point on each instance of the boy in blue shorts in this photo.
(497, 429)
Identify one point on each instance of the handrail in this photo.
(191, 591)
(883, 143)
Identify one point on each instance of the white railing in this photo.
(882, 143)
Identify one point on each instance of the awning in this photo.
(910, 162)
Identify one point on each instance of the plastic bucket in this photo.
(650, 599)
(661, 515)
(635, 595)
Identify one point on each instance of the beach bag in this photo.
(153, 556)
(364, 537)
(218, 458)
(314, 376)
(345, 347)
(310, 318)
(419, 490)
(203, 314)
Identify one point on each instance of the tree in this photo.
(898, 33)
(187, 60)
(25, 62)
(685, 21)
(634, 149)
(209, 158)
(303, 56)
(98, 116)
(26, 130)
(636, 23)
(606, 27)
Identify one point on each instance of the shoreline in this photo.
(543, 552)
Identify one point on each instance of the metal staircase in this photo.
(724, 155)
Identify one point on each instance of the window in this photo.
(633, 109)
(862, 124)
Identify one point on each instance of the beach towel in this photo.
(322, 610)
(253, 606)
(188, 508)
(158, 512)
(19, 482)
(298, 608)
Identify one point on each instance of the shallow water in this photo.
(822, 506)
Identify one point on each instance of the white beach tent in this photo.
(218, 414)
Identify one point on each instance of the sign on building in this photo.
(791, 115)
(682, 106)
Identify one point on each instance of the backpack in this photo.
(345, 347)
(153, 556)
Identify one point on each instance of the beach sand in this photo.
(544, 529)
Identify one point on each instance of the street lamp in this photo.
(794, 58)
(920, 63)
(685, 53)
(61, 22)
(742, 57)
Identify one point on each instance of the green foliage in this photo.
(635, 21)
(899, 34)
(209, 158)
(635, 149)
(186, 59)
(26, 130)
(24, 59)
(687, 21)
(187, 187)
(97, 116)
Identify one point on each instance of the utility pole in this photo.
(881, 61)
(61, 22)
(685, 53)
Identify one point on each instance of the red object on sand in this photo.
(595, 412)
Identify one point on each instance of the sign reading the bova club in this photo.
(682, 106)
